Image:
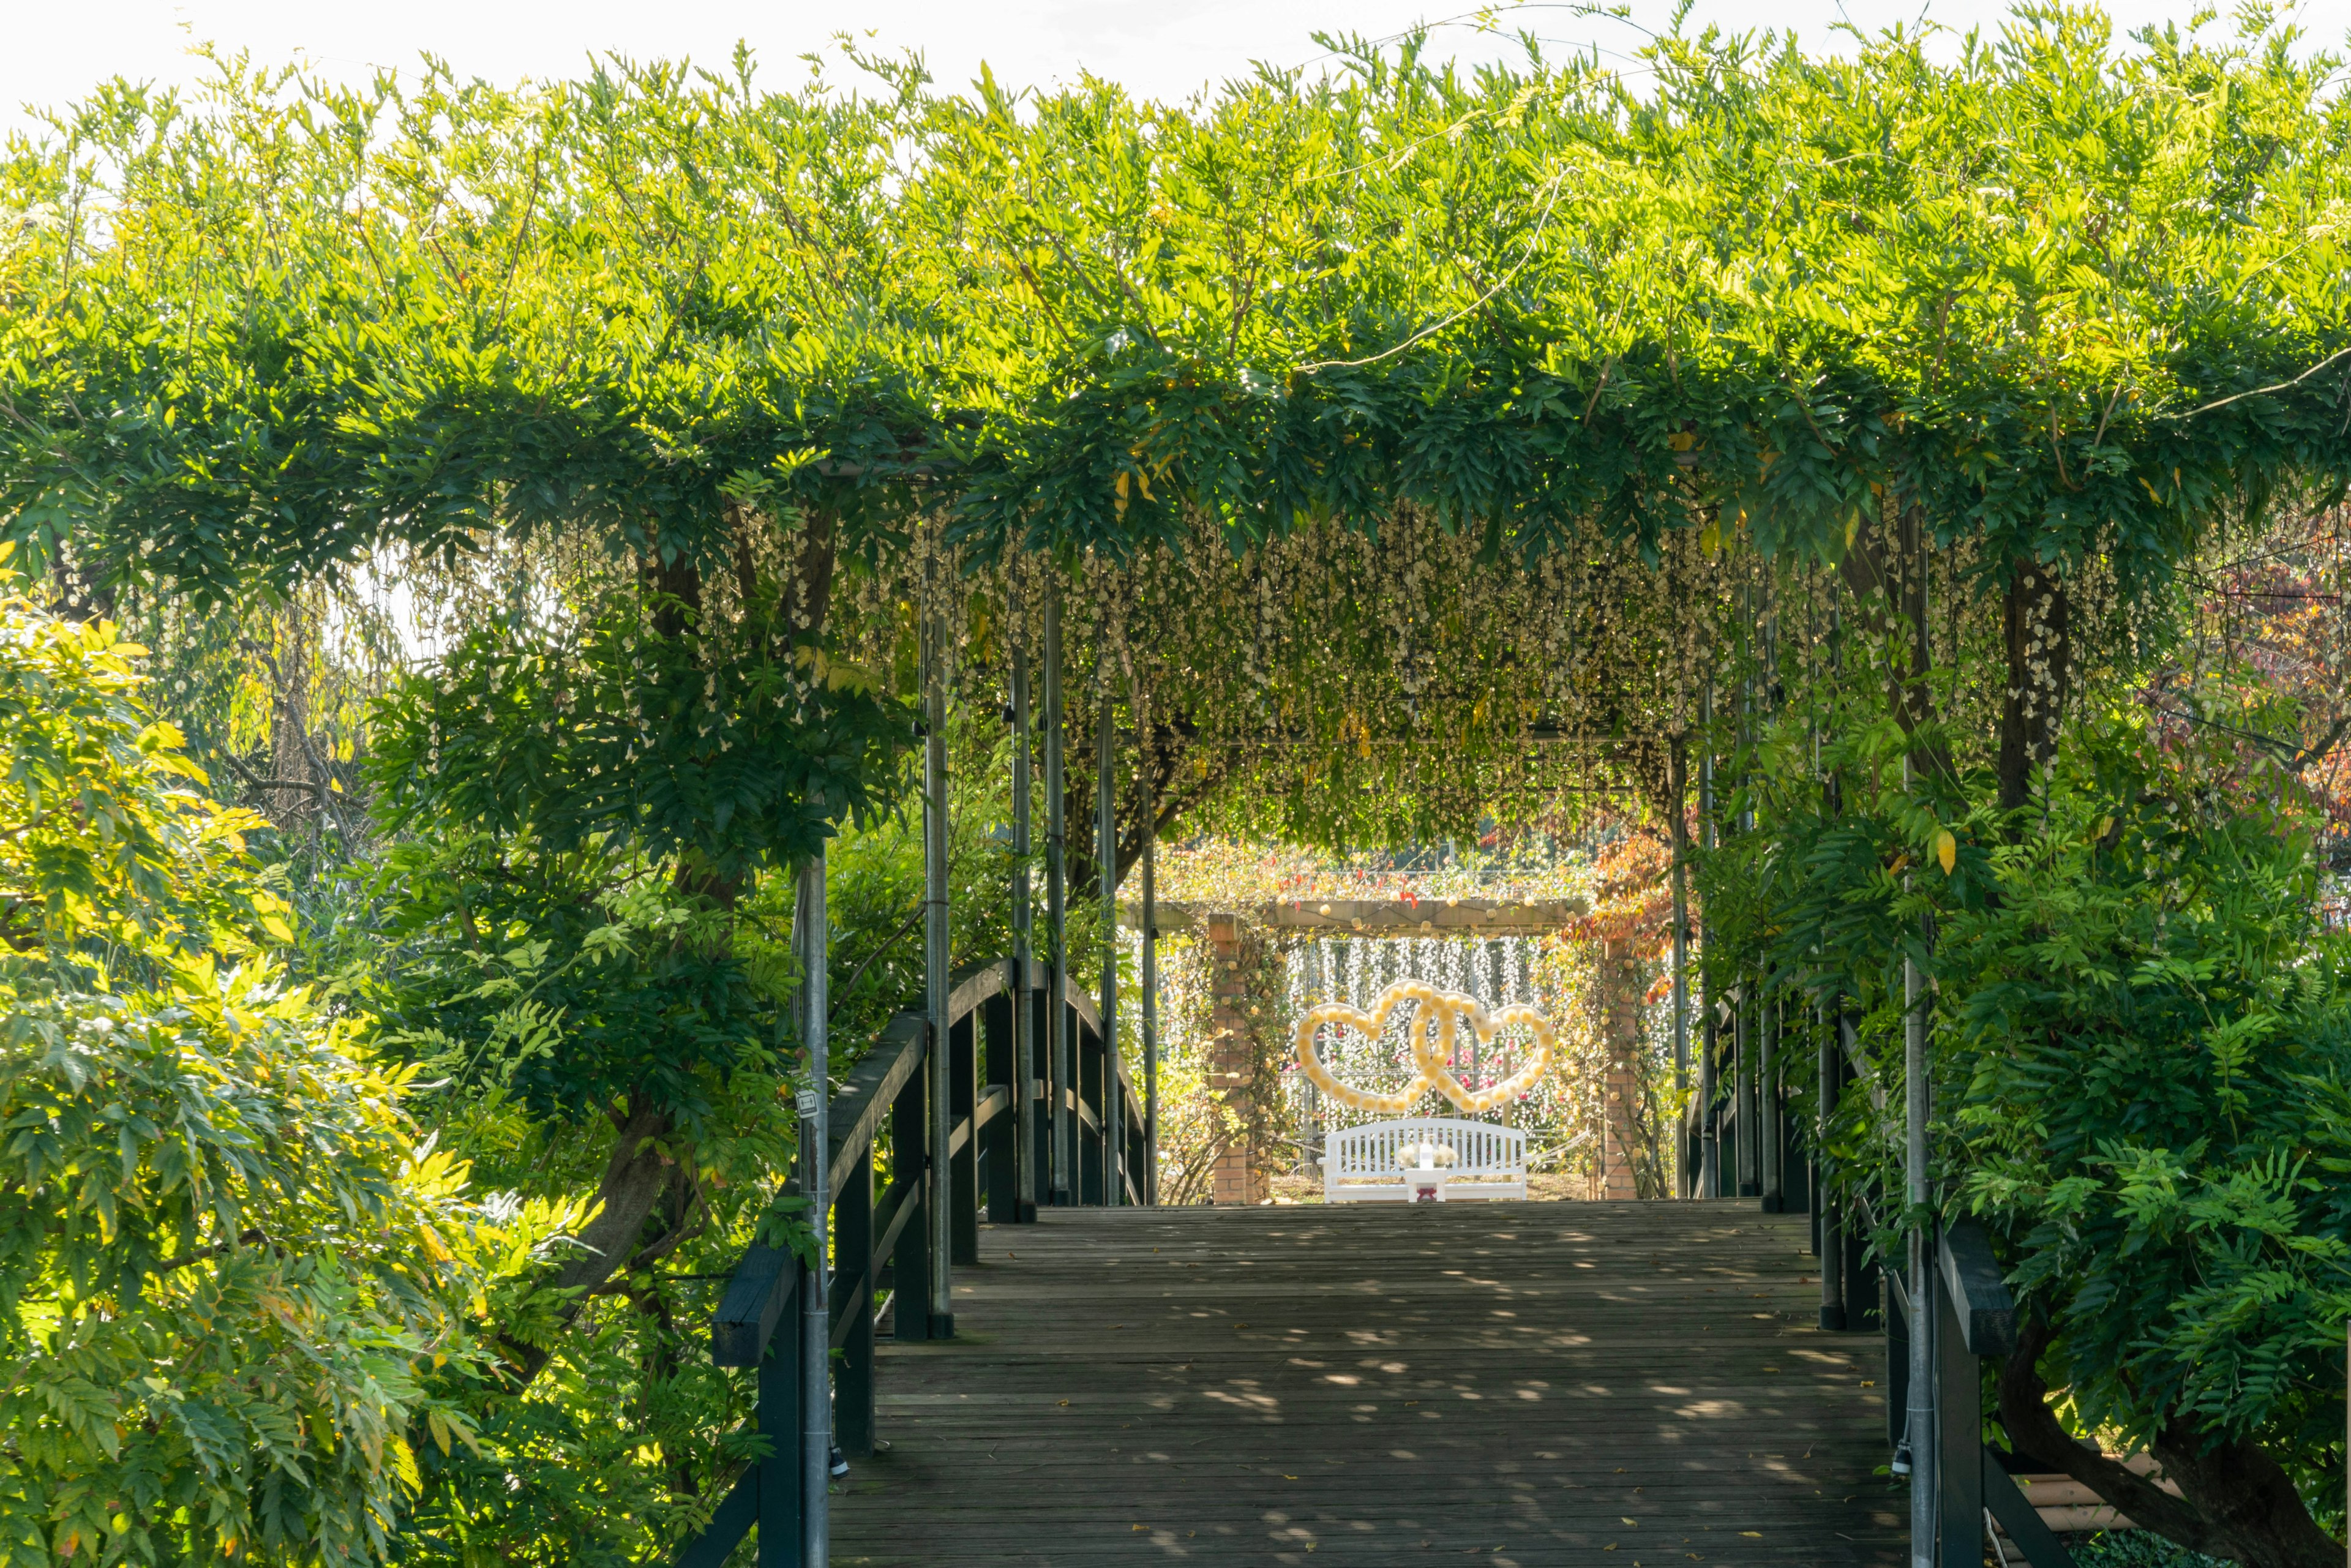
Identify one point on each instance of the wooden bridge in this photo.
(1029, 1362)
(1526, 1383)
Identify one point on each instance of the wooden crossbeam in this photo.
(1379, 917)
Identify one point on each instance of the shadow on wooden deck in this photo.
(1522, 1382)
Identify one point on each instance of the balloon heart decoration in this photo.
(1435, 1031)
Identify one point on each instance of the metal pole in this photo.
(1150, 987)
(934, 972)
(1106, 861)
(1742, 1091)
(1024, 1043)
(1767, 1107)
(1710, 1134)
(816, 1316)
(1743, 1097)
(1921, 1405)
(1683, 1175)
(1058, 1045)
(1832, 1316)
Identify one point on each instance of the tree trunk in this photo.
(1890, 597)
(640, 1174)
(2036, 619)
(2235, 1502)
(636, 1178)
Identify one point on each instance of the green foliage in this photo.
(228, 1259)
(2076, 298)
(732, 756)
(2138, 1549)
(2155, 1044)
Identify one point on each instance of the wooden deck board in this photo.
(1526, 1383)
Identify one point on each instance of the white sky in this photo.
(56, 49)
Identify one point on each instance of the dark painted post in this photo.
(1897, 1373)
(781, 1538)
(963, 1091)
(1831, 1239)
(910, 1261)
(1767, 1107)
(1092, 1146)
(1037, 1123)
(1959, 1447)
(1000, 1015)
(853, 1251)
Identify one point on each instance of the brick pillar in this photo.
(1620, 1024)
(1236, 1179)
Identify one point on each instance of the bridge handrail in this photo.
(987, 1146)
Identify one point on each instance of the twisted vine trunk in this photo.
(2235, 1500)
(2037, 620)
(644, 1202)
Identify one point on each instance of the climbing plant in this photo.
(1401, 446)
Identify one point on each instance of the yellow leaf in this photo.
(1947, 850)
(1123, 478)
(1710, 537)
(440, 1430)
(1853, 528)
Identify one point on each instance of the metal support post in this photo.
(1832, 1076)
(1709, 1053)
(809, 923)
(1060, 1048)
(1150, 989)
(1024, 916)
(943, 1197)
(1113, 1114)
(1685, 1185)
(1767, 1132)
(1920, 1402)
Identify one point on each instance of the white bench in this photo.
(1363, 1165)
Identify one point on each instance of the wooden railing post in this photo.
(1095, 1145)
(780, 1422)
(1037, 1093)
(910, 1260)
(963, 1182)
(1001, 1151)
(853, 1251)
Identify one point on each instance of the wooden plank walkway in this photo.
(1609, 1384)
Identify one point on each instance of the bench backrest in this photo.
(1479, 1147)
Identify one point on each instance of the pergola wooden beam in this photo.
(1379, 917)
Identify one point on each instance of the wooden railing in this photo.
(1975, 1314)
(997, 1162)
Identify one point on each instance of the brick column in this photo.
(1232, 1068)
(1620, 1034)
